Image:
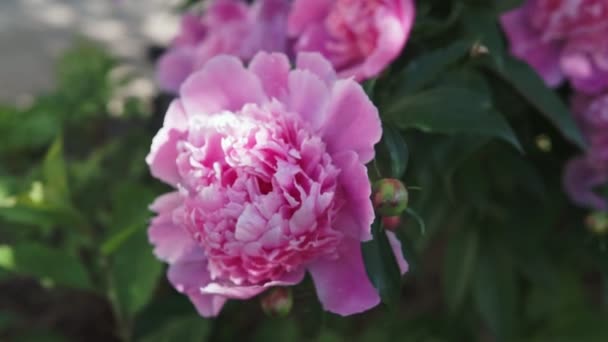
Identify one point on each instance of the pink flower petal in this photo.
(209, 91)
(246, 292)
(170, 242)
(393, 33)
(580, 179)
(174, 67)
(190, 274)
(303, 86)
(396, 246)
(163, 152)
(272, 70)
(342, 284)
(357, 214)
(315, 63)
(526, 44)
(351, 114)
(305, 11)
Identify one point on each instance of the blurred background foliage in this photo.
(479, 139)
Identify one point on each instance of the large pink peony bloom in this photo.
(269, 167)
(359, 37)
(227, 27)
(586, 173)
(562, 39)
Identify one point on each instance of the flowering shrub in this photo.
(317, 170)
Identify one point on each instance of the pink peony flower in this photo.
(562, 39)
(227, 27)
(270, 183)
(359, 37)
(585, 173)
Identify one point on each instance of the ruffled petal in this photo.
(188, 276)
(163, 152)
(170, 241)
(357, 214)
(246, 292)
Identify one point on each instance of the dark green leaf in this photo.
(460, 262)
(424, 70)
(526, 81)
(397, 151)
(185, 328)
(495, 293)
(381, 265)
(51, 266)
(451, 110)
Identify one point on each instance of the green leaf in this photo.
(451, 110)
(54, 172)
(460, 262)
(407, 249)
(397, 151)
(186, 328)
(483, 28)
(495, 293)
(381, 265)
(419, 220)
(134, 273)
(424, 70)
(507, 5)
(52, 266)
(529, 85)
(307, 310)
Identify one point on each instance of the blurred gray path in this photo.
(34, 32)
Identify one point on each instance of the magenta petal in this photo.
(580, 179)
(396, 246)
(170, 241)
(526, 44)
(163, 152)
(304, 86)
(317, 64)
(246, 292)
(188, 276)
(393, 33)
(272, 70)
(357, 214)
(342, 284)
(304, 12)
(351, 114)
(210, 90)
(174, 67)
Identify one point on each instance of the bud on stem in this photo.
(390, 197)
(277, 302)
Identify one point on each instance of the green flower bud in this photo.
(598, 223)
(390, 197)
(277, 302)
(391, 222)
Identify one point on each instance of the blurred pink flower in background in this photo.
(562, 39)
(226, 27)
(584, 174)
(270, 183)
(360, 37)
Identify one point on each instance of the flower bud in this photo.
(597, 223)
(390, 197)
(391, 222)
(278, 302)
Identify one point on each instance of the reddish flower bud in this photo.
(598, 223)
(391, 222)
(278, 302)
(390, 197)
